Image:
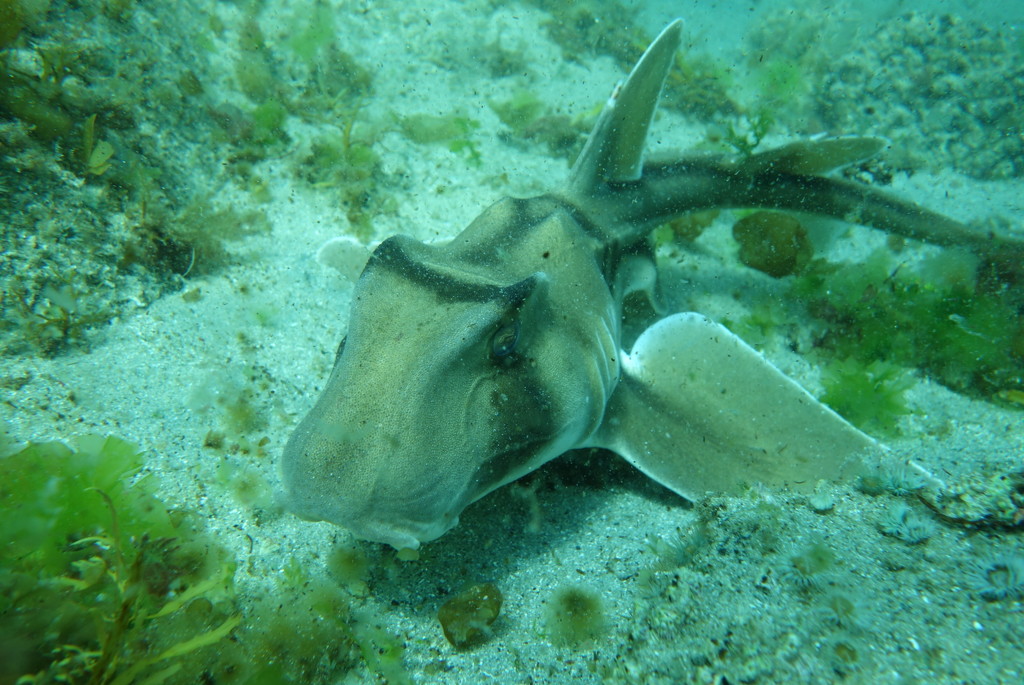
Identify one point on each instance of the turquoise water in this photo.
(189, 192)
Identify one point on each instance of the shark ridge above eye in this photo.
(410, 428)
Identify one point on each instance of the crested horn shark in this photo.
(471, 363)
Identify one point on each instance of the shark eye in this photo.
(504, 341)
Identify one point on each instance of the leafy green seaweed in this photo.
(91, 558)
(101, 583)
(933, 316)
(872, 396)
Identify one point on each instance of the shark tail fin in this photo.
(698, 410)
(614, 151)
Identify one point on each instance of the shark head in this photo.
(440, 392)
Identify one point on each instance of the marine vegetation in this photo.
(948, 316)
(103, 583)
(347, 165)
(773, 242)
(529, 118)
(946, 321)
(454, 130)
(595, 28)
(872, 396)
(575, 617)
(467, 616)
(100, 215)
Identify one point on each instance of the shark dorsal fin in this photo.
(614, 151)
(815, 156)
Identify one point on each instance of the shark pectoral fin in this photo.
(699, 410)
(815, 156)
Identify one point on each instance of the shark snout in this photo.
(364, 480)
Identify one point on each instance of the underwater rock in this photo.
(980, 500)
(944, 86)
(773, 242)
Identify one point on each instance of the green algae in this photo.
(595, 28)
(953, 329)
(103, 215)
(575, 617)
(92, 556)
(101, 582)
(518, 111)
(529, 119)
(699, 86)
(50, 316)
(871, 396)
(12, 20)
(428, 128)
(875, 322)
(309, 37)
(454, 130)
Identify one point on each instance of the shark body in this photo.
(469, 364)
